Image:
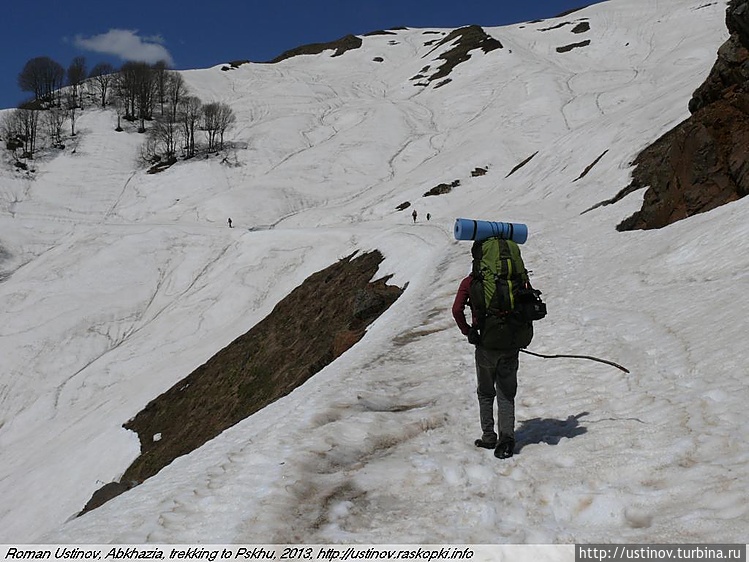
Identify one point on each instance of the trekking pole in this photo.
(578, 357)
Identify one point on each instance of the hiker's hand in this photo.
(473, 336)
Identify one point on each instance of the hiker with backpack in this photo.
(503, 305)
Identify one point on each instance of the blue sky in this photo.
(192, 34)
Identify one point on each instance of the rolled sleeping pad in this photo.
(469, 229)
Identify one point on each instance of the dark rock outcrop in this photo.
(568, 48)
(703, 162)
(307, 330)
(104, 494)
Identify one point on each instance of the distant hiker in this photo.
(229, 221)
(414, 215)
(498, 330)
(428, 217)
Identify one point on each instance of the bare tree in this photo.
(103, 75)
(120, 106)
(22, 126)
(43, 77)
(210, 124)
(54, 121)
(138, 84)
(166, 133)
(160, 80)
(169, 127)
(71, 107)
(129, 83)
(149, 148)
(226, 118)
(190, 110)
(30, 127)
(217, 117)
(76, 74)
(175, 91)
(10, 131)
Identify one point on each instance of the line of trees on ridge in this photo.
(138, 92)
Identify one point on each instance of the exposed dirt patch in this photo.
(340, 46)
(523, 163)
(590, 166)
(235, 64)
(442, 188)
(468, 38)
(379, 32)
(581, 27)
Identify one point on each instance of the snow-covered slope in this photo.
(120, 283)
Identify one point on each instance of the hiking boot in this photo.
(484, 444)
(505, 449)
(487, 441)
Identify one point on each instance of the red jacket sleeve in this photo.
(459, 305)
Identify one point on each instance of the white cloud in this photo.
(127, 45)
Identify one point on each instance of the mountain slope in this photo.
(377, 447)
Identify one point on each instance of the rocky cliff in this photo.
(704, 161)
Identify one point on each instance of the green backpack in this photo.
(503, 300)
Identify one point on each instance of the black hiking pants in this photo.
(497, 375)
